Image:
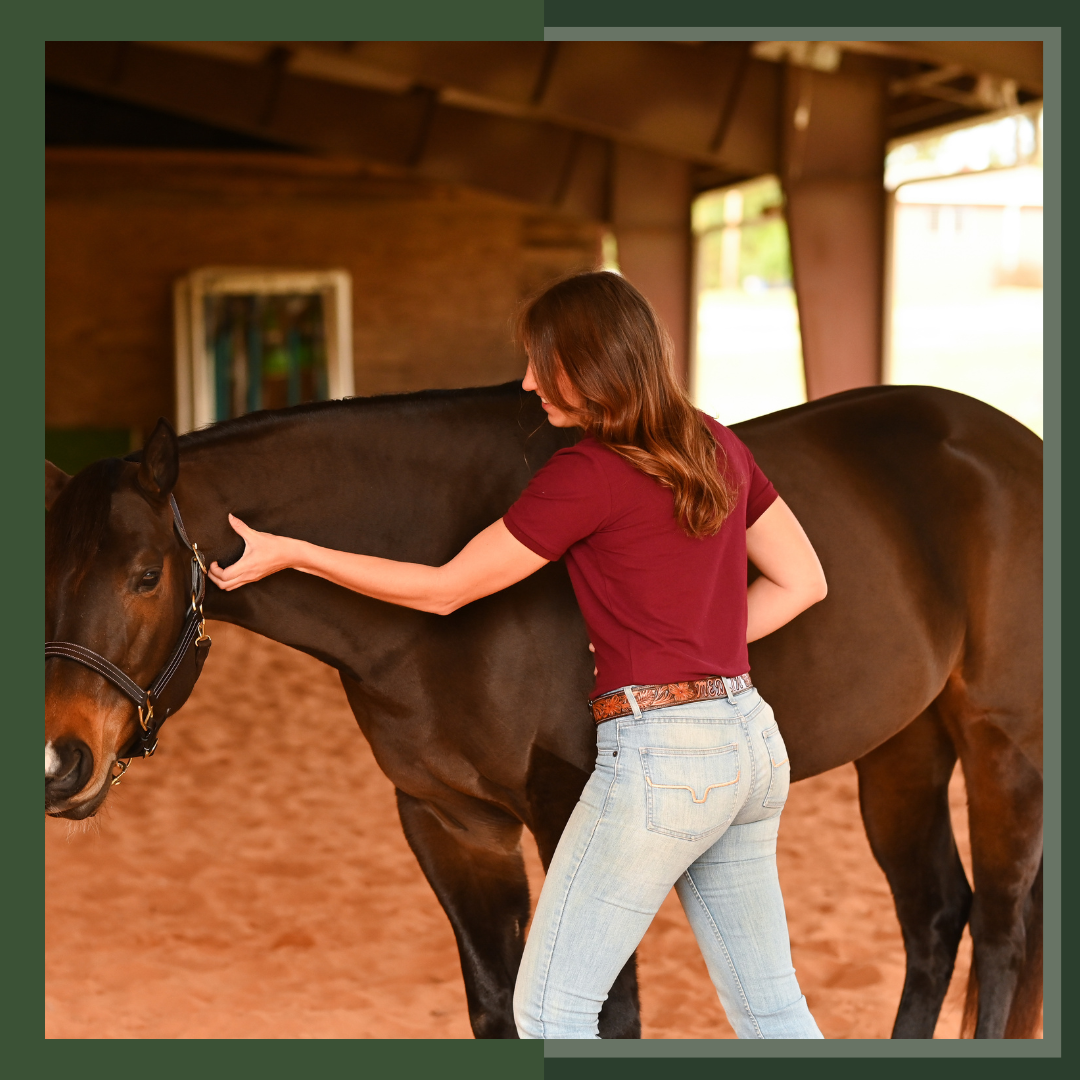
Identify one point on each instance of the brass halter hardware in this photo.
(196, 603)
(146, 714)
(123, 763)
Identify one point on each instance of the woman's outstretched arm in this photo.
(791, 576)
(491, 561)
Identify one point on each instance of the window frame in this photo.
(196, 405)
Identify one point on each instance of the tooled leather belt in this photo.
(615, 704)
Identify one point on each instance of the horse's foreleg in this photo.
(473, 862)
(904, 796)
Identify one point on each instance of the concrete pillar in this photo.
(833, 161)
(650, 214)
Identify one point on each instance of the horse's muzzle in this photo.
(71, 774)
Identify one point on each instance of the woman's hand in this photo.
(264, 554)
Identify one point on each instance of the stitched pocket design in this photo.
(780, 779)
(690, 793)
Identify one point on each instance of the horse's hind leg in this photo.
(471, 856)
(1005, 813)
(904, 796)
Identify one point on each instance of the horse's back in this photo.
(925, 508)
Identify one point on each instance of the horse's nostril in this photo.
(72, 772)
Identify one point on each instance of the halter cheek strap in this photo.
(163, 697)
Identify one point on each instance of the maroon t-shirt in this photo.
(660, 606)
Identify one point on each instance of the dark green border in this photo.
(22, 116)
(24, 306)
(856, 1068)
(663, 14)
(274, 20)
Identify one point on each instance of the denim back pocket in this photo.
(780, 774)
(690, 792)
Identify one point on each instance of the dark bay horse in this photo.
(924, 506)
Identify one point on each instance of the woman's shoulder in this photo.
(725, 436)
(734, 457)
(579, 464)
(587, 453)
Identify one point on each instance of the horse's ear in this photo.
(160, 460)
(55, 482)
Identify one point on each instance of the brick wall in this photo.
(437, 271)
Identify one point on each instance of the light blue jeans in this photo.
(688, 795)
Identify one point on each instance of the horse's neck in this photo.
(411, 483)
(371, 476)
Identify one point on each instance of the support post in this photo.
(650, 212)
(833, 163)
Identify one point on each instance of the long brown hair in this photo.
(598, 331)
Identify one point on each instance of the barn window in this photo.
(259, 339)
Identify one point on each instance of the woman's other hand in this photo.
(264, 554)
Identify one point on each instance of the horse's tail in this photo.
(1025, 1014)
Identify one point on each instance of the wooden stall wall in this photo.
(437, 271)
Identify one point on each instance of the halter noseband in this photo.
(156, 703)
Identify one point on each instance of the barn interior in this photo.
(448, 181)
(451, 179)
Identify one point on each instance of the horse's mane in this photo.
(80, 516)
(268, 419)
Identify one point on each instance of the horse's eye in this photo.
(150, 579)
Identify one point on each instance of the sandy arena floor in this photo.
(252, 881)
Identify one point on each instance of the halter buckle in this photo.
(147, 716)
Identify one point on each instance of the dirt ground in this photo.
(252, 881)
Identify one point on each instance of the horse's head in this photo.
(117, 581)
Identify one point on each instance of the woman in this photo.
(656, 510)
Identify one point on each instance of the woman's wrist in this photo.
(295, 554)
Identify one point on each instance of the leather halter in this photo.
(164, 695)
